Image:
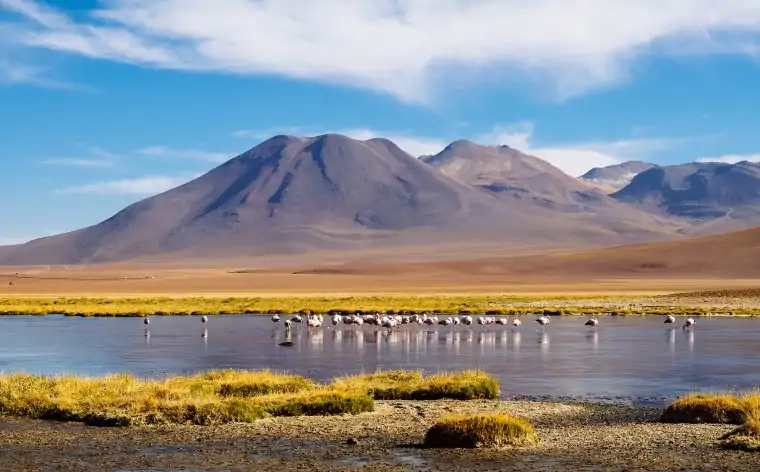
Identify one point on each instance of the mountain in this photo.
(291, 194)
(716, 197)
(510, 174)
(616, 176)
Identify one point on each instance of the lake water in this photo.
(637, 359)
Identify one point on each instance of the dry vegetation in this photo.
(462, 304)
(726, 409)
(219, 397)
(481, 430)
(710, 408)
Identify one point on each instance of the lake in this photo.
(628, 359)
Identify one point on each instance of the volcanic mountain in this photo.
(616, 176)
(292, 194)
(510, 174)
(716, 197)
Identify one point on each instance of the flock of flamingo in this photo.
(394, 321)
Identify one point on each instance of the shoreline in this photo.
(572, 436)
(454, 305)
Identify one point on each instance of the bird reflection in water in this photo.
(593, 337)
(543, 340)
(516, 340)
(672, 340)
(315, 339)
(691, 336)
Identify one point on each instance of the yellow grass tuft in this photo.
(412, 385)
(483, 430)
(222, 396)
(709, 408)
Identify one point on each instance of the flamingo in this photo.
(467, 320)
(275, 318)
(297, 319)
(543, 320)
(204, 319)
(335, 320)
(516, 322)
(689, 323)
(501, 321)
(592, 322)
(670, 319)
(287, 325)
(146, 321)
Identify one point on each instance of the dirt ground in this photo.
(579, 437)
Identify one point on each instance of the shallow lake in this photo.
(636, 359)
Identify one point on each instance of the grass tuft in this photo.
(709, 408)
(222, 396)
(484, 430)
(412, 385)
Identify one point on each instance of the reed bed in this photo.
(218, 397)
(455, 304)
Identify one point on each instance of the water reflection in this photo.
(563, 358)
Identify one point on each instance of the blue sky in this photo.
(103, 103)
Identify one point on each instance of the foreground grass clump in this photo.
(206, 399)
(223, 396)
(412, 385)
(708, 408)
(484, 430)
(744, 438)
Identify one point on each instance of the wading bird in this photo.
(204, 319)
(670, 319)
(275, 318)
(146, 321)
(592, 322)
(287, 324)
(689, 323)
(543, 320)
(516, 322)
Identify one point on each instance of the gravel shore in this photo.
(574, 436)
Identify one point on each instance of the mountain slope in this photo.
(293, 194)
(616, 176)
(510, 174)
(717, 197)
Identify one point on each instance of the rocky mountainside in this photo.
(616, 176)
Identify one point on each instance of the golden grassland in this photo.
(482, 430)
(725, 409)
(224, 396)
(461, 304)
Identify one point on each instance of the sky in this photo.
(103, 103)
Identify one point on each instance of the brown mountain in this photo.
(510, 174)
(616, 176)
(714, 197)
(293, 194)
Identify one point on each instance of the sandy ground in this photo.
(581, 437)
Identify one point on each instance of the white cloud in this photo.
(73, 162)
(141, 186)
(194, 154)
(731, 158)
(401, 47)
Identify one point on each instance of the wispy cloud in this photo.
(141, 186)
(401, 47)
(72, 162)
(731, 158)
(97, 158)
(193, 154)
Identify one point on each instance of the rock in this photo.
(352, 441)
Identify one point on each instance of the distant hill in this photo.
(510, 174)
(291, 194)
(716, 197)
(616, 176)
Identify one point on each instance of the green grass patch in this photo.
(712, 408)
(483, 430)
